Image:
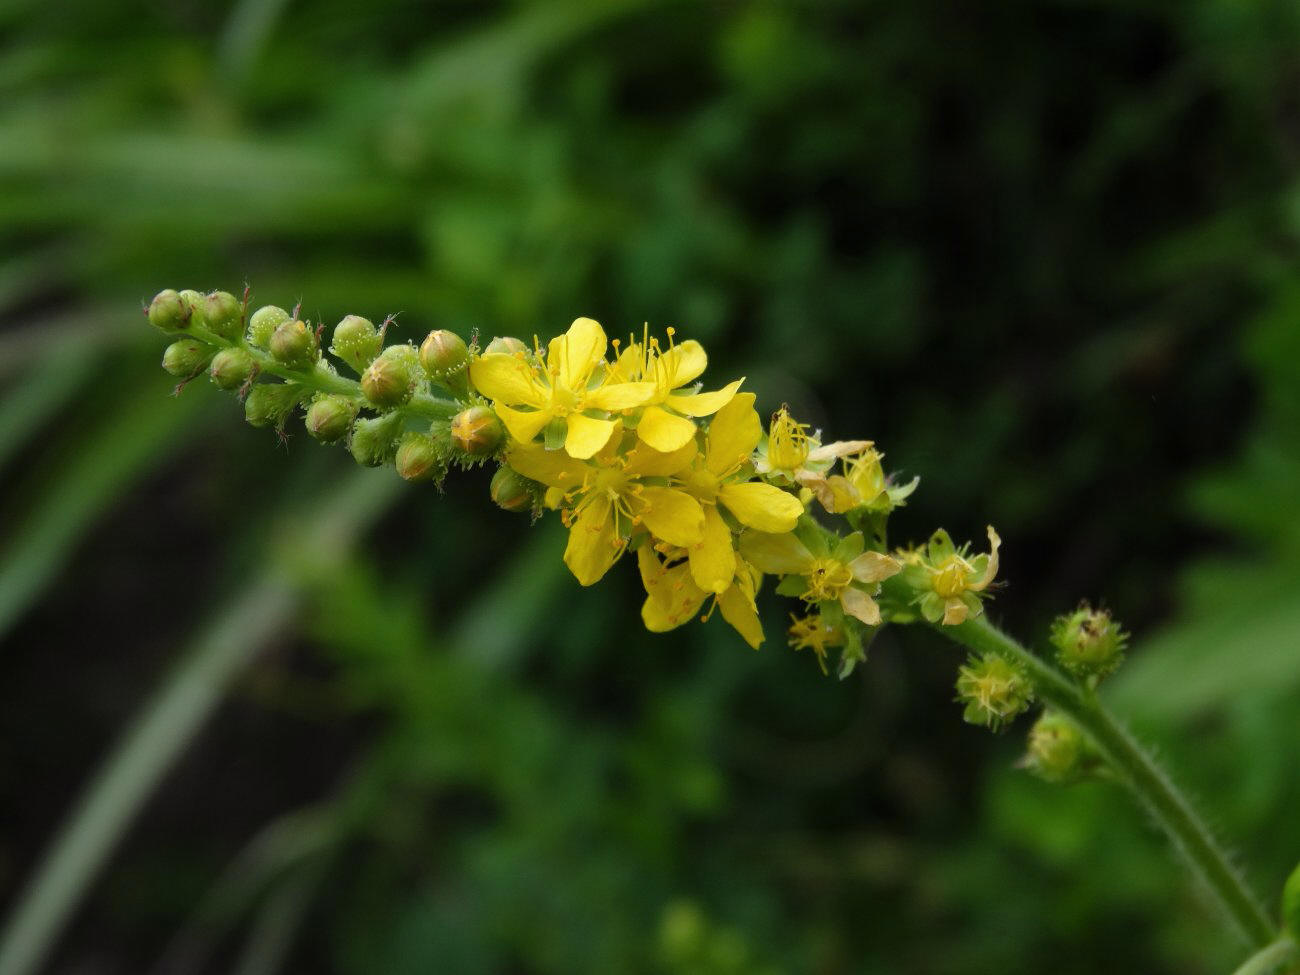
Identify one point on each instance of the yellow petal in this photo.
(712, 559)
(840, 448)
(645, 461)
(681, 364)
(585, 435)
(523, 426)
(777, 554)
(663, 431)
(704, 404)
(554, 468)
(738, 610)
(991, 569)
(874, 566)
(954, 611)
(836, 493)
(762, 506)
(660, 618)
(506, 379)
(858, 603)
(671, 515)
(593, 545)
(733, 434)
(629, 363)
(671, 597)
(619, 396)
(575, 353)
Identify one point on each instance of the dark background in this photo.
(1043, 253)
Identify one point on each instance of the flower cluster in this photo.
(624, 442)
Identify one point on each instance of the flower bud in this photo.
(223, 314)
(993, 690)
(1056, 748)
(356, 342)
(512, 491)
(374, 439)
(186, 357)
(269, 403)
(508, 345)
(193, 302)
(294, 344)
(445, 356)
(417, 458)
(390, 380)
(477, 431)
(330, 416)
(231, 368)
(1089, 644)
(263, 323)
(168, 312)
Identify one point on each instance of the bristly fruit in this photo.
(391, 379)
(263, 323)
(477, 431)
(231, 368)
(330, 416)
(223, 314)
(417, 458)
(356, 342)
(445, 356)
(168, 312)
(294, 344)
(186, 357)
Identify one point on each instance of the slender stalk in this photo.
(1270, 960)
(1148, 782)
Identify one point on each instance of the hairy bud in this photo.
(271, 403)
(356, 342)
(417, 458)
(1089, 644)
(168, 312)
(186, 357)
(506, 346)
(223, 314)
(263, 323)
(231, 368)
(330, 416)
(294, 344)
(993, 691)
(1056, 748)
(374, 439)
(390, 380)
(512, 491)
(477, 431)
(445, 356)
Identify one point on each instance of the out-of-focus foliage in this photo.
(1044, 254)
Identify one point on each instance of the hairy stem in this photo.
(1148, 782)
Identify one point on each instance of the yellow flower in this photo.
(950, 579)
(863, 484)
(571, 383)
(792, 456)
(840, 577)
(672, 597)
(604, 503)
(719, 478)
(665, 422)
(812, 632)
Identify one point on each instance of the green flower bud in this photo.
(506, 346)
(993, 690)
(374, 439)
(186, 357)
(1057, 748)
(223, 314)
(263, 323)
(445, 356)
(512, 491)
(1089, 644)
(356, 342)
(294, 344)
(477, 431)
(330, 416)
(390, 379)
(168, 312)
(193, 302)
(231, 368)
(271, 403)
(417, 458)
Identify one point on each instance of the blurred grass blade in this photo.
(180, 707)
(272, 935)
(48, 385)
(251, 23)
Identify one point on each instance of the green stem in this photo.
(1270, 960)
(1148, 782)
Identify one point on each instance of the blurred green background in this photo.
(1043, 253)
